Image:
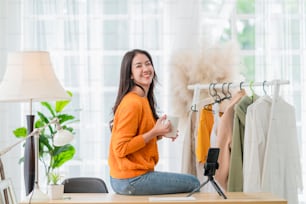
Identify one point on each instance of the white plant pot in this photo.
(56, 192)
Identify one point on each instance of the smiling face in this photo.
(142, 71)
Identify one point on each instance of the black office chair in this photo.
(84, 185)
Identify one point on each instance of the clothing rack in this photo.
(238, 84)
(230, 85)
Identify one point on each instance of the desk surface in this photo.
(207, 198)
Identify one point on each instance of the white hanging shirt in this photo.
(282, 169)
(255, 139)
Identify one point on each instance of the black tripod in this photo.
(210, 167)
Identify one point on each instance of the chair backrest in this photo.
(84, 185)
(7, 194)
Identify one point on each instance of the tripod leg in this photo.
(195, 190)
(218, 189)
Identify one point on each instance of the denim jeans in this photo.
(155, 183)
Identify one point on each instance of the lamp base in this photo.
(29, 170)
(37, 195)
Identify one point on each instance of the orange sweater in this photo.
(129, 155)
(205, 127)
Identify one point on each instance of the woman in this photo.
(136, 127)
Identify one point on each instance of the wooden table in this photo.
(206, 198)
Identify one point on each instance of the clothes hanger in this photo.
(263, 86)
(223, 92)
(208, 106)
(210, 90)
(217, 97)
(193, 108)
(240, 86)
(227, 94)
(196, 95)
(203, 102)
(206, 102)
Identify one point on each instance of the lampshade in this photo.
(62, 137)
(29, 76)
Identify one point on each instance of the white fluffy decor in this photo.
(217, 64)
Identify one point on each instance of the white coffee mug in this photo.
(174, 120)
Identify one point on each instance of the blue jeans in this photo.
(155, 183)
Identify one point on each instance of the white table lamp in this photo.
(30, 77)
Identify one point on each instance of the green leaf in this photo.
(49, 107)
(38, 124)
(65, 117)
(60, 105)
(42, 117)
(54, 178)
(62, 154)
(70, 129)
(44, 142)
(43, 121)
(20, 132)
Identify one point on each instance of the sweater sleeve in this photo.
(126, 139)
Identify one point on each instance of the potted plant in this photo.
(51, 156)
(55, 188)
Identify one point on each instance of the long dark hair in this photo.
(126, 83)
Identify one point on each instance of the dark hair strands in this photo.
(126, 83)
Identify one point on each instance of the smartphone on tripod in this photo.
(211, 164)
(210, 168)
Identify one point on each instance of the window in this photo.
(86, 40)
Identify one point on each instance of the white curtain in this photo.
(10, 117)
(280, 54)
